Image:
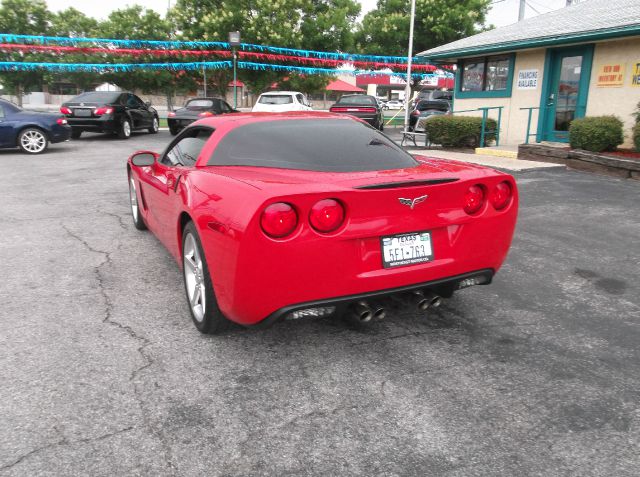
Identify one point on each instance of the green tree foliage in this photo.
(74, 23)
(385, 30)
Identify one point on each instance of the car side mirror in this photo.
(147, 104)
(143, 159)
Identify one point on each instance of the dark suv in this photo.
(109, 112)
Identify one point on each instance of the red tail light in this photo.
(501, 195)
(61, 121)
(65, 110)
(205, 114)
(327, 215)
(279, 220)
(415, 112)
(171, 114)
(473, 199)
(103, 110)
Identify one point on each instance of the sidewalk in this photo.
(497, 162)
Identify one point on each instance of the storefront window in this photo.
(486, 74)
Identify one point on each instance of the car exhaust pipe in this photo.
(378, 311)
(434, 300)
(425, 300)
(361, 312)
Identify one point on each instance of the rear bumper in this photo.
(59, 133)
(484, 277)
(179, 123)
(94, 124)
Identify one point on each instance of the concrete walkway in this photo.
(490, 161)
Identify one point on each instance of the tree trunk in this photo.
(169, 100)
(19, 94)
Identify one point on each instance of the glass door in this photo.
(565, 98)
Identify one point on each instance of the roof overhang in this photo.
(449, 56)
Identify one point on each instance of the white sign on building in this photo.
(527, 79)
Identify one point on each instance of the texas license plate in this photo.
(406, 249)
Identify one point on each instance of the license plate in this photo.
(82, 112)
(406, 249)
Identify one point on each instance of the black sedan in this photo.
(195, 109)
(110, 112)
(361, 106)
(31, 131)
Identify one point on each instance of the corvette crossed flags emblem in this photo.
(414, 202)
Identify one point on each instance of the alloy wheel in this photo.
(126, 129)
(134, 199)
(33, 141)
(155, 125)
(194, 277)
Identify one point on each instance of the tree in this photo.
(73, 23)
(23, 17)
(385, 30)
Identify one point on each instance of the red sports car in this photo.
(293, 215)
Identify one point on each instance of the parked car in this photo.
(294, 216)
(361, 106)
(434, 95)
(117, 112)
(195, 109)
(281, 101)
(427, 108)
(30, 131)
(394, 104)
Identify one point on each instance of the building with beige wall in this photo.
(583, 60)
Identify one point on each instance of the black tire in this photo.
(124, 130)
(33, 141)
(381, 125)
(212, 321)
(174, 130)
(76, 133)
(155, 126)
(138, 221)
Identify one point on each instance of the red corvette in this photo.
(308, 214)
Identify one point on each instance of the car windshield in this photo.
(275, 99)
(199, 104)
(326, 145)
(358, 99)
(103, 97)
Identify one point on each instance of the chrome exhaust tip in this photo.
(379, 312)
(361, 312)
(434, 300)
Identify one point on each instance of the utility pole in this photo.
(521, 10)
(204, 74)
(407, 89)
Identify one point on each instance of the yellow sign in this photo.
(611, 75)
(635, 74)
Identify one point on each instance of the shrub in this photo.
(636, 137)
(596, 133)
(458, 131)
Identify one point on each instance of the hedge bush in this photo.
(636, 136)
(458, 131)
(596, 133)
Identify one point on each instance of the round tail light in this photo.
(473, 199)
(500, 195)
(279, 220)
(326, 215)
(205, 114)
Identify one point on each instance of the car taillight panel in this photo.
(327, 215)
(65, 110)
(279, 220)
(102, 111)
(205, 114)
(473, 199)
(61, 121)
(171, 114)
(500, 196)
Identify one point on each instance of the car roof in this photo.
(280, 92)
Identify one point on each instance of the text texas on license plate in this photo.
(406, 249)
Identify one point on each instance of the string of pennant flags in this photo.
(175, 44)
(260, 57)
(192, 66)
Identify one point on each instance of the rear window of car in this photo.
(436, 104)
(98, 97)
(200, 104)
(324, 145)
(275, 99)
(359, 99)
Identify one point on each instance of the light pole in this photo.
(234, 41)
(204, 74)
(407, 89)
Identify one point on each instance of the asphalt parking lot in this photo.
(104, 374)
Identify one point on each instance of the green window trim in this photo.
(500, 93)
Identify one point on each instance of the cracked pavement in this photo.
(104, 374)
